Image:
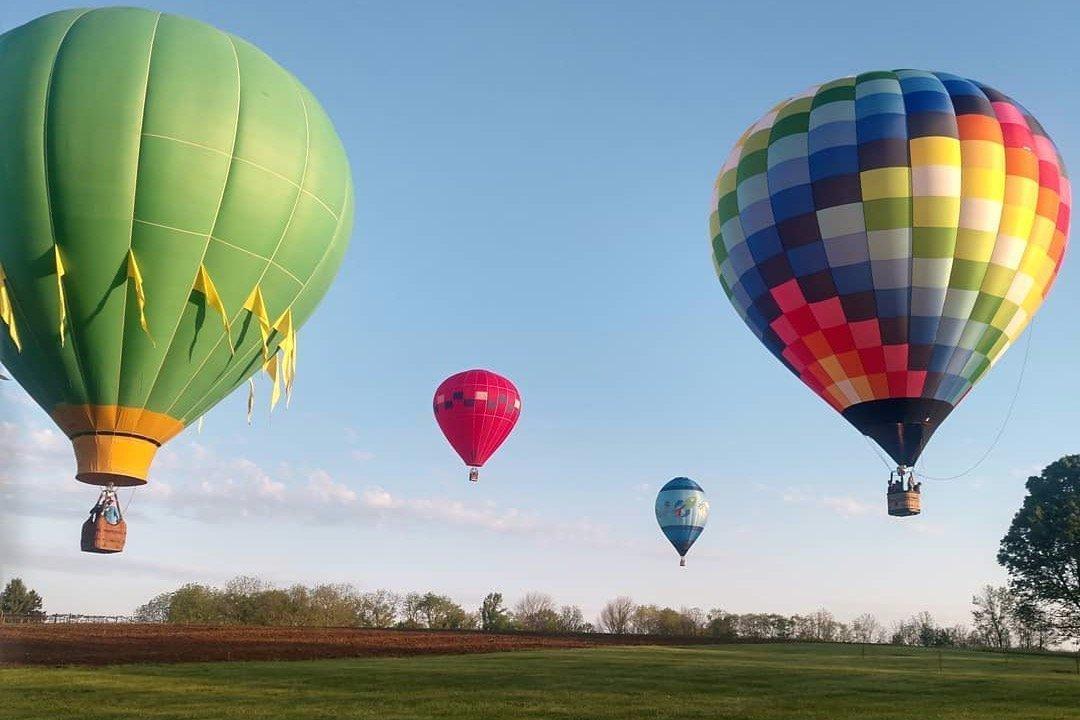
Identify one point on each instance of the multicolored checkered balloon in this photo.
(887, 236)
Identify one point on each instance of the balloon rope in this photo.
(130, 498)
(884, 460)
(1004, 423)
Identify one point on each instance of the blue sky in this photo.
(533, 183)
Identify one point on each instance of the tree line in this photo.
(1039, 607)
(251, 601)
(999, 620)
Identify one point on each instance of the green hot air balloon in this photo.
(173, 205)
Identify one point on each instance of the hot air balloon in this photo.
(682, 511)
(173, 205)
(887, 236)
(476, 411)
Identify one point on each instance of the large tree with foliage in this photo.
(19, 600)
(1041, 551)
(436, 612)
(377, 609)
(494, 617)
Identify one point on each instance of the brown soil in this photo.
(109, 644)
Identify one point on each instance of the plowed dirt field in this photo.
(90, 644)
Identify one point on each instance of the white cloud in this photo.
(193, 481)
(378, 499)
(326, 489)
(843, 505)
(847, 506)
(63, 560)
(1023, 473)
(450, 512)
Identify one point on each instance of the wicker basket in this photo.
(904, 503)
(99, 536)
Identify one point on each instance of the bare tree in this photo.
(865, 628)
(927, 631)
(1031, 627)
(993, 606)
(572, 620)
(536, 612)
(824, 625)
(616, 615)
(904, 632)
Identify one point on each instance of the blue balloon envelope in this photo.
(682, 511)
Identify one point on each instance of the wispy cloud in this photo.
(1023, 473)
(848, 506)
(843, 505)
(195, 482)
(59, 560)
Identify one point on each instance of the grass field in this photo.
(734, 681)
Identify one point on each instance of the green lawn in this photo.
(729, 681)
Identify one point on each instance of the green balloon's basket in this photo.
(105, 531)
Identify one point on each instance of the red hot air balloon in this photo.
(476, 410)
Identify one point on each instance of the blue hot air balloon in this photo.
(682, 511)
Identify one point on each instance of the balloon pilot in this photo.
(903, 493)
(105, 531)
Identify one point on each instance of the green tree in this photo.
(156, 610)
(377, 609)
(17, 599)
(655, 620)
(198, 605)
(240, 601)
(493, 615)
(1041, 550)
(436, 612)
(722, 624)
(333, 606)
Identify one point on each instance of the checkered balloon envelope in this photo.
(887, 236)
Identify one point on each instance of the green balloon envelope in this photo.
(127, 133)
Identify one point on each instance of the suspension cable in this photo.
(997, 436)
(884, 460)
(1004, 422)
